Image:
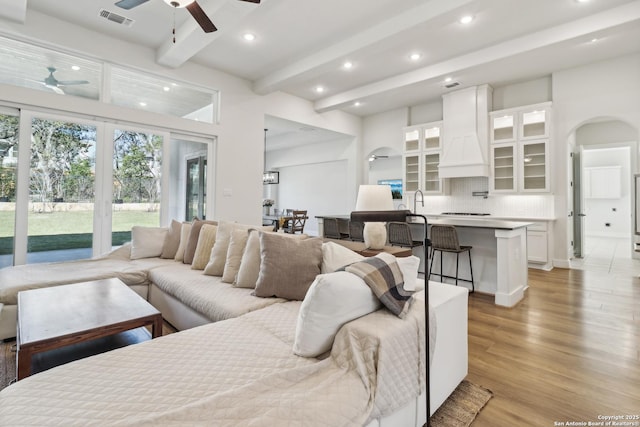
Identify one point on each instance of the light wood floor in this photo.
(570, 351)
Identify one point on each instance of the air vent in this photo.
(451, 84)
(114, 17)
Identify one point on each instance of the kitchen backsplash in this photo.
(461, 199)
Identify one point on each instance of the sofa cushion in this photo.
(185, 230)
(206, 240)
(237, 245)
(332, 300)
(207, 295)
(287, 266)
(336, 256)
(146, 242)
(192, 240)
(171, 240)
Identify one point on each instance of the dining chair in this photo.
(296, 222)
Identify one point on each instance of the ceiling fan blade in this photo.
(129, 4)
(56, 89)
(72, 82)
(201, 17)
(252, 1)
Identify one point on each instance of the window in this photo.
(9, 126)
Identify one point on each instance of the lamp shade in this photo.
(374, 198)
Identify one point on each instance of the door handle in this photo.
(581, 214)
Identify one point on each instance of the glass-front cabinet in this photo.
(503, 167)
(421, 158)
(534, 166)
(534, 123)
(412, 137)
(520, 149)
(431, 174)
(411, 167)
(503, 128)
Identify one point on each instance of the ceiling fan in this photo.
(376, 157)
(191, 5)
(54, 84)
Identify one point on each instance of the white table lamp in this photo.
(374, 198)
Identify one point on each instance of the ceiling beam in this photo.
(581, 27)
(191, 39)
(374, 34)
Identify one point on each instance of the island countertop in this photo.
(496, 224)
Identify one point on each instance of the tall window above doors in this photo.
(35, 67)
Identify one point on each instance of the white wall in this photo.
(524, 93)
(615, 211)
(317, 188)
(608, 89)
(319, 178)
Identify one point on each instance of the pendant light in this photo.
(268, 177)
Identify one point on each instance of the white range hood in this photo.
(465, 145)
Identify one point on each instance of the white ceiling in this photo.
(301, 44)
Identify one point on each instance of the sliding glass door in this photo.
(9, 128)
(61, 190)
(137, 182)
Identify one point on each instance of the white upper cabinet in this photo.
(520, 149)
(412, 138)
(421, 158)
(503, 127)
(534, 122)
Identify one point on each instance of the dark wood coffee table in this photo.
(60, 316)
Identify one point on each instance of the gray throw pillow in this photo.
(287, 266)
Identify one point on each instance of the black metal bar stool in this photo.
(444, 238)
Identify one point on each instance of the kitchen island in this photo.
(498, 257)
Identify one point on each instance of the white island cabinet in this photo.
(498, 257)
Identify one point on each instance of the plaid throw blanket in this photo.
(383, 275)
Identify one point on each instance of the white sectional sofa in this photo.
(187, 298)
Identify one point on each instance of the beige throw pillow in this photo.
(237, 244)
(206, 240)
(250, 264)
(287, 266)
(215, 267)
(185, 230)
(146, 242)
(171, 240)
(192, 241)
(249, 269)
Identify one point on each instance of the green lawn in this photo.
(70, 230)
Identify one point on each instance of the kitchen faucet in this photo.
(415, 199)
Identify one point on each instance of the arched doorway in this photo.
(603, 160)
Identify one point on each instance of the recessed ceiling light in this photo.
(347, 65)
(415, 56)
(466, 19)
(357, 104)
(75, 67)
(582, 1)
(166, 88)
(319, 89)
(448, 79)
(142, 104)
(593, 40)
(249, 37)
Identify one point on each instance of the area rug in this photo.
(462, 407)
